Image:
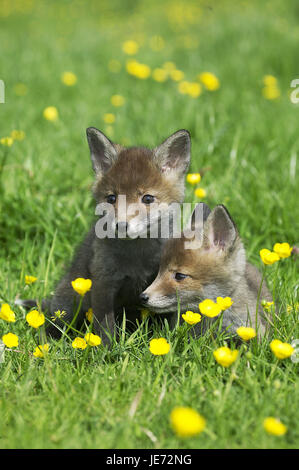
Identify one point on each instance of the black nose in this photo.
(122, 227)
(144, 297)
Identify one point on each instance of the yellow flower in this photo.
(246, 333)
(35, 318)
(117, 100)
(89, 315)
(281, 350)
(176, 75)
(267, 305)
(79, 343)
(294, 307)
(20, 89)
(141, 71)
(283, 250)
(193, 178)
(92, 340)
(183, 87)
(6, 141)
(50, 113)
(109, 118)
(269, 80)
(30, 279)
(10, 340)
(194, 89)
(130, 47)
(7, 314)
(209, 80)
(69, 78)
(271, 92)
(40, 350)
(224, 302)
(81, 286)
(200, 193)
(144, 314)
(209, 308)
(114, 66)
(17, 135)
(225, 356)
(191, 318)
(274, 426)
(159, 346)
(160, 75)
(58, 314)
(186, 422)
(268, 257)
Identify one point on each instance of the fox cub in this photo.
(122, 267)
(213, 264)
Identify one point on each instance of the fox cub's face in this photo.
(133, 179)
(211, 269)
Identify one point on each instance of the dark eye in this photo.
(180, 276)
(111, 199)
(148, 199)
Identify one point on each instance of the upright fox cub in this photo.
(122, 267)
(215, 266)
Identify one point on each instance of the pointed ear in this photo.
(102, 151)
(220, 231)
(173, 155)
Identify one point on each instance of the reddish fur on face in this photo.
(135, 174)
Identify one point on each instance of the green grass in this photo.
(249, 145)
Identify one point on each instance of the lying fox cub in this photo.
(212, 264)
(123, 265)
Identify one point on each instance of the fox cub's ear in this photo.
(173, 155)
(102, 151)
(220, 230)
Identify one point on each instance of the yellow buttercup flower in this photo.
(209, 308)
(283, 250)
(79, 343)
(200, 193)
(281, 350)
(7, 314)
(92, 340)
(274, 426)
(193, 178)
(291, 308)
(268, 257)
(246, 333)
(209, 80)
(10, 340)
(194, 89)
(81, 285)
(269, 80)
(267, 305)
(17, 135)
(109, 118)
(176, 75)
(58, 314)
(89, 315)
(224, 302)
(40, 350)
(160, 75)
(35, 318)
(130, 47)
(6, 141)
(69, 78)
(117, 100)
(191, 318)
(186, 421)
(271, 92)
(30, 279)
(225, 356)
(159, 346)
(141, 71)
(50, 113)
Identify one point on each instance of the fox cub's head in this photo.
(206, 269)
(138, 176)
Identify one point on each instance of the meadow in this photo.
(245, 143)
